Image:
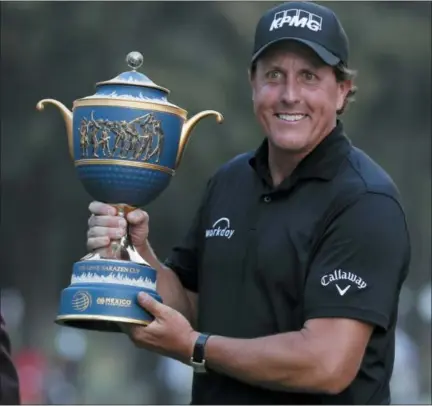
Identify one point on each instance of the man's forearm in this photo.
(175, 295)
(280, 362)
(169, 286)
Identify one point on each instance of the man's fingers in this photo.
(107, 221)
(97, 242)
(137, 216)
(102, 209)
(112, 233)
(135, 333)
(154, 307)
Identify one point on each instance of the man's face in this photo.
(296, 96)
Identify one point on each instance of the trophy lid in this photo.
(133, 78)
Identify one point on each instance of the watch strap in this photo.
(198, 355)
(197, 361)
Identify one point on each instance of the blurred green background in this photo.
(200, 51)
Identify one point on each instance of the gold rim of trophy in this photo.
(120, 162)
(103, 318)
(142, 105)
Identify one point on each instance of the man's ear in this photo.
(251, 76)
(344, 88)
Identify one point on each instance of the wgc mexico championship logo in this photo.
(81, 301)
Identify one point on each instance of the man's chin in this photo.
(288, 144)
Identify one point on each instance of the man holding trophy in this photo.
(286, 286)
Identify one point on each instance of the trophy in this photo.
(126, 141)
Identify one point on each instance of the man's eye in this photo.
(274, 74)
(309, 76)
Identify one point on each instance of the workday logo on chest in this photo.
(220, 228)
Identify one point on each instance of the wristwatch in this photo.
(197, 361)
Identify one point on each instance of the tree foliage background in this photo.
(200, 51)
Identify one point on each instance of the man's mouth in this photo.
(291, 118)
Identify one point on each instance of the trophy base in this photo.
(103, 295)
(97, 322)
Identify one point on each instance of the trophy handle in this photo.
(187, 129)
(67, 117)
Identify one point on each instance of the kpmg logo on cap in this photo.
(296, 18)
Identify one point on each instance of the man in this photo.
(285, 289)
(9, 387)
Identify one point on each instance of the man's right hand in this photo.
(106, 226)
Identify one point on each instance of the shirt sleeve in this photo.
(184, 257)
(361, 263)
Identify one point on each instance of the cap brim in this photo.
(323, 53)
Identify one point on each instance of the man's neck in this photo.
(282, 163)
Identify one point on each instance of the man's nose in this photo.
(290, 92)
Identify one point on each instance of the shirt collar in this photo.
(322, 163)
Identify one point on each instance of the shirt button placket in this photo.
(267, 199)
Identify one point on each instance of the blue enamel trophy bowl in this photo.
(126, 141)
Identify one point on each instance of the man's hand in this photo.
(105, 226)
(169, 334)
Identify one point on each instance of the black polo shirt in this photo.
(330, 241)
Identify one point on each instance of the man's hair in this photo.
(342, 73)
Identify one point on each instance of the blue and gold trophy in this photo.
(126, 141)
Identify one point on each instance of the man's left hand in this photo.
(169, 334)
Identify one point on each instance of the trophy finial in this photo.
(134, 59)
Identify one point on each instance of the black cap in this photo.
(314, 25)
